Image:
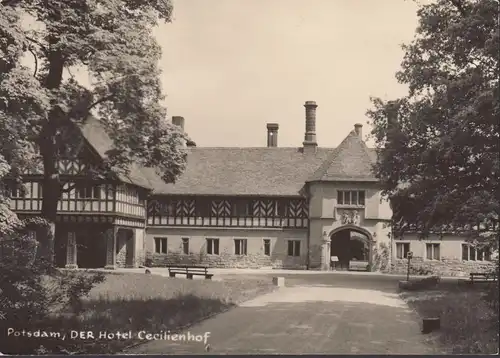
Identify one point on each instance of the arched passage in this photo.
(352, 245)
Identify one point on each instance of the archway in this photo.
(352, 246)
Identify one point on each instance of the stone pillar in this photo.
(110, 237)
(325, 254)
(71, 251)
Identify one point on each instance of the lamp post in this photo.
(409, 255)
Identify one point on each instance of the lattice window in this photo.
(85, 191)
(351, 197)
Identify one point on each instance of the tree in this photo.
(439, 145)
(42, 105)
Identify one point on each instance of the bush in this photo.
(27, 301)
(492, 294)
(420, 270)
(381, 256)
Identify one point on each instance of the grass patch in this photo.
(469, 325)
(138, 302)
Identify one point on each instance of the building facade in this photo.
(307, 207)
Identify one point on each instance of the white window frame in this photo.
(264, 241)
(211, 246)
(296, 246)
(240, 247)
(433, 245)
(402, 245)
(351, 204)
(163, 246)
(183, 241)
(476, 253)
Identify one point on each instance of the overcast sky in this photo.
(231, 66)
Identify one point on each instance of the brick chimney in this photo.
(358, 128)
(178, 121)
(310, 135)
(272, 134)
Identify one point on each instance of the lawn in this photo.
(469, 325)
(136, 302)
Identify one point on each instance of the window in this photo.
(402, 249)
(433, 251)
(161, 245)
(203, 208)
(294, 248)
(14, 191)
(241, 208)
(213, 246)
(88, 192)
(351, 197)
(240, 246)
(281, 209)
(185, 246)
(267, 247)
(170, 209)
(471, 253)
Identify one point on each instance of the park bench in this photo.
(189, 271)
(481, 277)
(355, 265)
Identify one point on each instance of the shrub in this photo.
(31, 292)
(420, 270)
(381, 256)
(492, 295)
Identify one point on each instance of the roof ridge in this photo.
(322, 172)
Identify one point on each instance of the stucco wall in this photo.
(255, 247)
(450, 262)
(140, 254)
(323, 218)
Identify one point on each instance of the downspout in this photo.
(308, 202)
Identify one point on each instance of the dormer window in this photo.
(351, 197)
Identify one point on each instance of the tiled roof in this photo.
(245, 171)
(261, 171)
(352, 160)
(97, 137)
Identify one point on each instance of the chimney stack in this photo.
(272, 134)
(358, 128)
(310, 135)
(178, 121)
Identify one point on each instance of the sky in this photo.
(231, 66)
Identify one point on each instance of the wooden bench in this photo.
(481, 277)
(355, 265)
(189, 271)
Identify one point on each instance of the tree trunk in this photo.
(51, 195)
(49, 150)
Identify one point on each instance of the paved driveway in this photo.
(337, 314)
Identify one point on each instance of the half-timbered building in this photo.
(238, 207)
